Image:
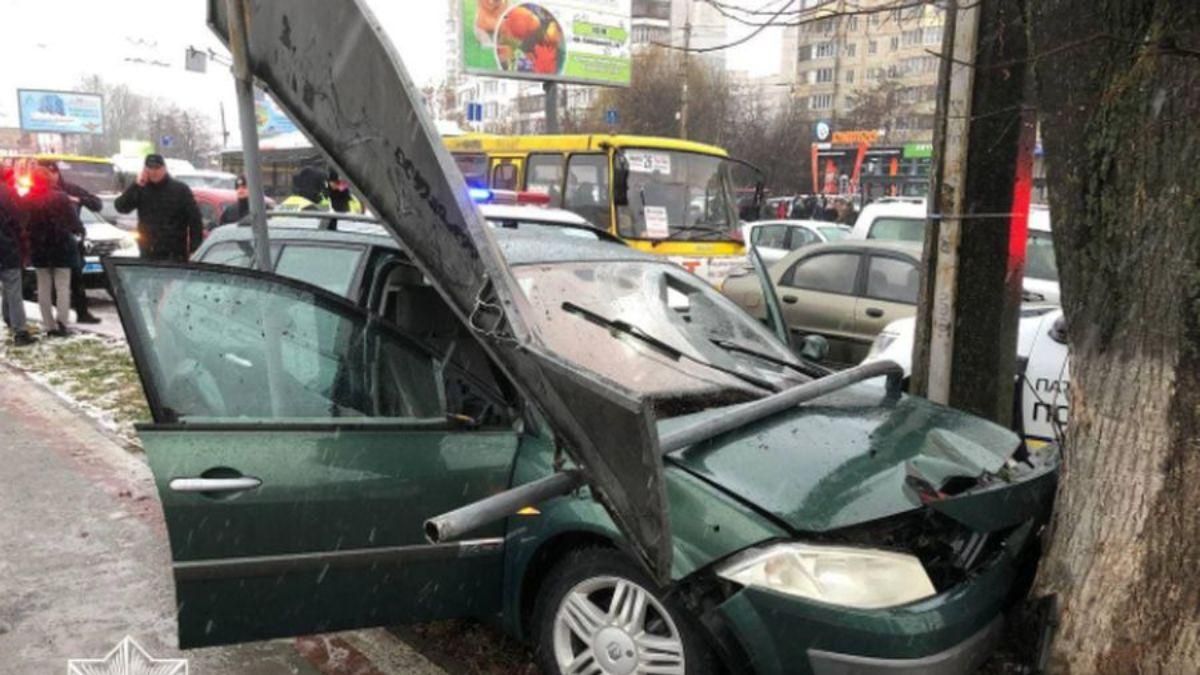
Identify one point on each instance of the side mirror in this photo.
(814, 348)
(620, 179)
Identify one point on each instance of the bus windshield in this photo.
(95, 177)
(683, 196)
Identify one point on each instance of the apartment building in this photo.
(836, 59)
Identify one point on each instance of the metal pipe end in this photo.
(433, 531)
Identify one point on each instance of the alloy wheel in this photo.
(613, 626)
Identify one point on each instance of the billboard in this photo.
(60, 112)
(583, 41)
(271, 120)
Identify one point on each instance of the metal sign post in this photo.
(244, 82)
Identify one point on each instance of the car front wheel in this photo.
(599, 614)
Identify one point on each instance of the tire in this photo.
(576, 599)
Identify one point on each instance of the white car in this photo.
(531, 217)
(103, 240)
(1041, 267)
(200, 178)
(891, 218)
(1044, 383)
(774, 239)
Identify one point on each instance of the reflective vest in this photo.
(298, 203)
(355, 205)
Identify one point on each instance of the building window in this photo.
(824, 50)
(820, 102)
(824, 75)
(849, 77)
(852, 23)
(912, 38)
(851, 48)
(895, 43)
(872, 47)
(933, 35)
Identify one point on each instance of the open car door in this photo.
(298, 444)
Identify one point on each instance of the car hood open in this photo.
(859, 455)
(332, 68)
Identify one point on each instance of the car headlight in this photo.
(881, 343)
(838, 575)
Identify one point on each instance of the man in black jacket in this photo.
(12, 264)
(169, 223)
(80, 198)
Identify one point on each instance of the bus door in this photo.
(506, 173)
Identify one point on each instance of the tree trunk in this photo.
(1118, 92)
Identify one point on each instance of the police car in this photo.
(1043, 380)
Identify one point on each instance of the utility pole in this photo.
(551, 96)
(965, 348)
(687, 57)
(248, 122)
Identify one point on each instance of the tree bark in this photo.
(1118, 92)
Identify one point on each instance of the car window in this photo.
(827, 272)
(771, 236)
(217, 346)
(327, 267)
(801, 237)
(234, 254)
(898, 229)
(834, 233)
(1040, 262)
(893, 280)
(587, 188)
(504, 176)
(543, 174)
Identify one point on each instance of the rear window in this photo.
(898, 229)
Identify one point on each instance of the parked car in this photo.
(776, 238)
(893, 219)
(1043, 376)
(200, 178)
(845, 291)
(1041, 265)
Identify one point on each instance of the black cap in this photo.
(155, 161)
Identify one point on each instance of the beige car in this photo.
(845, 291)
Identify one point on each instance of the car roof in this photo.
(520, 248)
(902, 209)
(533, 213)
(800, 223)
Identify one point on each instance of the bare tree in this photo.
(130, 115)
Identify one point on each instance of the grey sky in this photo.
(51, 44)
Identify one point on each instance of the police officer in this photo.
(308, 191)
(339, 200)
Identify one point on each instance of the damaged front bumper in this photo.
(952, 632)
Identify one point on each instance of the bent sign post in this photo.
(330, 66)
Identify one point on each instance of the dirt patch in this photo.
(92, 373)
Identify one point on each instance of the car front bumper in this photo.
(953, 632)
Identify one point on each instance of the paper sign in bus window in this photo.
(657, 224)
(648, 162)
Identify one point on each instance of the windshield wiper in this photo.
(671, 352)
(801, 366)
(706, 229)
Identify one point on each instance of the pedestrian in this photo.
(844, 212)
(340, 199)
(169, 222)
(235, 213)
(13, 253)
(53, 225)
(81, 198)
(308, 191)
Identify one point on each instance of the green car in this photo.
(301, 438)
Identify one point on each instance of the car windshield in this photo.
(677, 341)
(1040, 262)
(95, 177)
(834, 233)
(677, 195)
(547, 228)
(898, 229)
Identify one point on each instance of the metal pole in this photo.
(247, 121)
(687, 45)
(551, 90)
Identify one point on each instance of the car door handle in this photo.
(238, 484)
(874, 312)
(789, 299)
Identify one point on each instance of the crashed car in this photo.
(583, 443)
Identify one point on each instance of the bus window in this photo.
(504, 175)
(474, 168)
(587, 189)
(95, 177)
(543, 173)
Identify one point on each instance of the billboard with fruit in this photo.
(584, 41)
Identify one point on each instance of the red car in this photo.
(218, 207)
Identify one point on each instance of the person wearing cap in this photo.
(169, 222)
(339, 198)
(308, 191)
(81, 198)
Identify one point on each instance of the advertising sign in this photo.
(918, 150)
(60, 112)
(583, 41)
(271, 120)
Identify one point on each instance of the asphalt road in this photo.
(84, 560)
